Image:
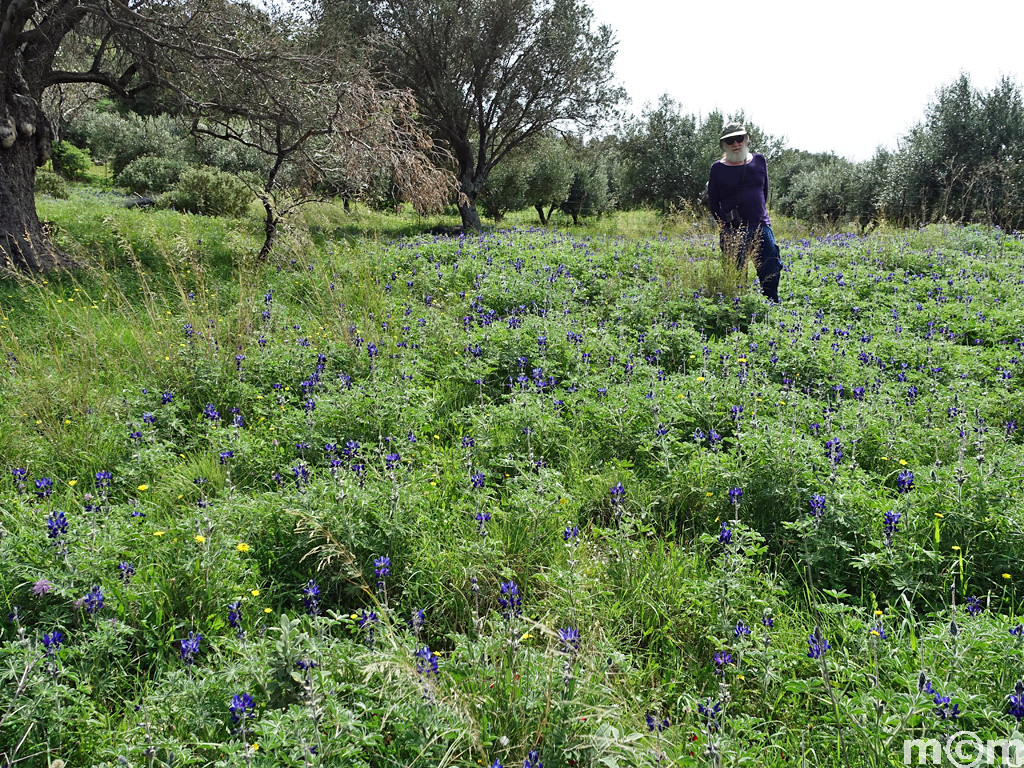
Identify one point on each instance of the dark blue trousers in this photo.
(759, 242)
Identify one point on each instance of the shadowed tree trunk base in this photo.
(25, 246)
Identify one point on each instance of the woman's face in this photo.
(736, 151)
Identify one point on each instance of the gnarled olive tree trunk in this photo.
(25, 136)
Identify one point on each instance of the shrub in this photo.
(211, 193)
(149, 174)
(70, 161)
(52, 184)
(119, 140)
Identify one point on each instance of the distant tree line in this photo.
(501, 104)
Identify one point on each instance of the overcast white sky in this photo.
(828, 76)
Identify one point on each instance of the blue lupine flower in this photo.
(618, 493)
(482, 518)
(569, 639)
(817, 645)
(654, 724)
(44, 487)
(532, 760)
(510, 601)
(127, 571)
(741, 630)
(1016, 699)
(148, 418)
(817, 503)
(311, 598)
(235, 616)
(166, 398)
(93, 600)
(943, 709)
(571, 533)
(905, 481)
(103, 480)
(477, 480)
(52, 643)
(19, 475)
(391, 460)
(382, 566)
(211, 413)
(419, 618)
(242, 707)
(834, 450)
(190, 647)
(735, 494)
(710, 712)
(725, 535)
(891, 523)
(974, 606)
(722, 660)
(427, 664)
(225, 456)
(56, 524)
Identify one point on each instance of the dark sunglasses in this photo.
(734, 139)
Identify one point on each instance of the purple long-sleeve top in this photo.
(740, 186)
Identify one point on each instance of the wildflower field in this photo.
(534, 497)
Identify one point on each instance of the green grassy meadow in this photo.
(566, 496)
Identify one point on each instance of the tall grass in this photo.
(606, 417)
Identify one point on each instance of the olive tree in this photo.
(228, 63)
(490, 75)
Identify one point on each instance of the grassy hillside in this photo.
(570, 497)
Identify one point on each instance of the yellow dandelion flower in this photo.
(72, 483)
(876, 633)
(1006, 576)
(878, 613)
(903, 463)
(159, 533)
(266, 610)
(254, 592)
(956, 548)
(200, 539)
(700, 378)
(242, 547)
(143, 487)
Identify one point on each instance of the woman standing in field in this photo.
(738, 198)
